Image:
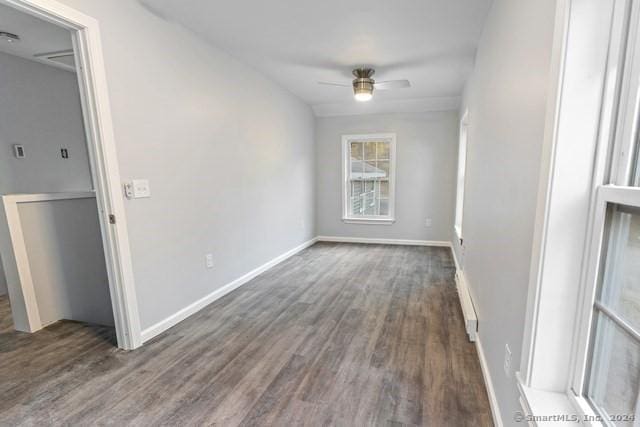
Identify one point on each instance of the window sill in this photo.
(378, 221)
(539, 407)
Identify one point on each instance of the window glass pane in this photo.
(369, 150)
(620, 290)
(615, 370)
(369, 198)
(356, 169)
(383, 150)
(357, 188)
(383, 169)
(384, 189)
(367, 188)
(370, 170)
(356, 160)
(356, 150)
(384, 207)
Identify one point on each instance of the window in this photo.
(462, 167)
(368, 178)
(613, 386)
(609, 377)
(581, 351)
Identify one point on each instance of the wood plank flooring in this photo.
(340, 334)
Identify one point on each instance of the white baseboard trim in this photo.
(193, 308)
(339, 239)
(493, 400)
(455, 259)
(463, 288)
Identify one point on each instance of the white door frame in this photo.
(102, 156)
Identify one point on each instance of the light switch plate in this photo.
(137, 189)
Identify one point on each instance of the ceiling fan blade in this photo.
(334, 84)
(392, 84)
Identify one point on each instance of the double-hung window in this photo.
(368, 188)
(613, 375)
(608, 370)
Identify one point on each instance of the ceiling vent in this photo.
(63, 59)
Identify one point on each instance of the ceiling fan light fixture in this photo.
(363, 96)
(363, 89)
(363, 84)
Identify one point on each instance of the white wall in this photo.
(425, 174)
(40, 109)
(506, 98)
(228, 153)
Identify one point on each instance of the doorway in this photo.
(64, 241)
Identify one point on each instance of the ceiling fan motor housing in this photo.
(363, 83)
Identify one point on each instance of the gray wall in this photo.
(40, 109)
(228, 153)
(66, 260)
(426, 148)
(506, 98)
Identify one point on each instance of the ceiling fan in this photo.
(363, 85)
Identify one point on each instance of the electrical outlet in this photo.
(507, 361)
(427, 222)
(209, 260)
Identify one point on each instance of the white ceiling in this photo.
(300, 42)
(36, 36)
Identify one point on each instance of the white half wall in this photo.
(228, 154)
(506, 98)
(66, 260)
(426, 148)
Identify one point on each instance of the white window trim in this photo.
(377, 220)
(462, 169)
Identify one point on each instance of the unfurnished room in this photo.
(338, 213)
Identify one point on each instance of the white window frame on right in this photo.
(349, 217)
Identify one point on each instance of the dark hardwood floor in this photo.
(340, 334)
